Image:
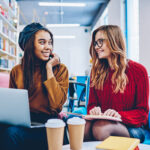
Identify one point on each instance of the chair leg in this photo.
(82, 95)
(71, 105)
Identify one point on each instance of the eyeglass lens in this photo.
(99, 43)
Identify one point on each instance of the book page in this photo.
(92, 117)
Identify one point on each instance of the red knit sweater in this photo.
(132, 105)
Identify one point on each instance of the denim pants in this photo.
(21, 138)
(138, 133)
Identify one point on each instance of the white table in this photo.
(92, 146)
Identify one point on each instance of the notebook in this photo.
(118, 143)
(14, 108)
(92, 117)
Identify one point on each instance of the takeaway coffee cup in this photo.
(55, 134)
(76, 132)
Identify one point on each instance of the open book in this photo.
(92, 117)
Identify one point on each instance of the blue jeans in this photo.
(138, 133)
(21, 138)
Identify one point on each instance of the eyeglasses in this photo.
(99, 43)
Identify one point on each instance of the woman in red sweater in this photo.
(118, 87)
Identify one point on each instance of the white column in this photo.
(133, 29)
(144, 33)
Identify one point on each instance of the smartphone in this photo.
(51, 56)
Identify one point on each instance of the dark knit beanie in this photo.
(27, 32)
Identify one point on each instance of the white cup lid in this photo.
(55, 123)
(76, 121)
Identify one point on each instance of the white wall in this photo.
(114, 12)
(74, 53)
(144, 33)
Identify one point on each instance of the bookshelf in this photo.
(9, 21)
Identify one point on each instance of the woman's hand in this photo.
(53, 61)
(50, 64)
(112, 113)
(95, 111)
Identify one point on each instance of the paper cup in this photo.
(55, 134)
(76, 132)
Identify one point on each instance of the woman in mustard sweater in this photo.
(46, 80)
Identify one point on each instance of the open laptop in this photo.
(14, 108)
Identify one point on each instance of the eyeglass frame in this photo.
(96, 42)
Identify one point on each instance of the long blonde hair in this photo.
(100, 67)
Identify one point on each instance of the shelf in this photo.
(5, 69)
(6, 37)
(6, 20)
(11, 12)
(7, 54)
(9, 57)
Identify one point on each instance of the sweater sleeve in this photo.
(92, 99)
(139, 115)
(57, 88)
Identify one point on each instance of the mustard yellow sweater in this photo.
(56, 89)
